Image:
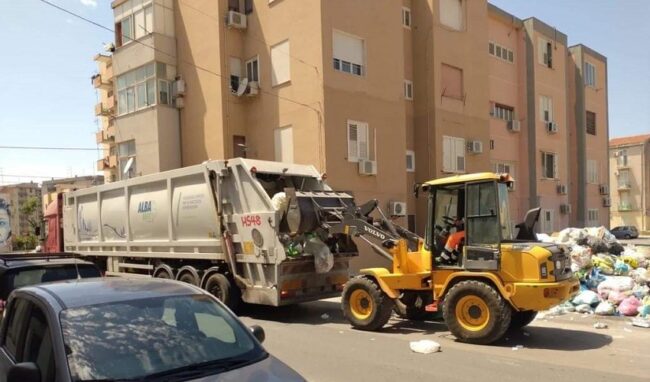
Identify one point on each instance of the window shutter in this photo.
(362, 138)
(555, 174)
(353, 142)
(447, 154)
(460, 154)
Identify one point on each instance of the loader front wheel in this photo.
(365, 305)
(475, 312)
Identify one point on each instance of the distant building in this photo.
(629, 159)
(50, 188)
(18, 194)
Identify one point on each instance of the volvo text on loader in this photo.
(470, 263)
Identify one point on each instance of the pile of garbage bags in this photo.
(614, 280)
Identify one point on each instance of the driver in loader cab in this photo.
(450, 230)
(454, 245)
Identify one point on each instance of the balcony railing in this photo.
(625, 207)
(101, 82)
(624, 187)
(107, 163)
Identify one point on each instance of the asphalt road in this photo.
(565, 348)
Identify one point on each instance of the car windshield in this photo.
(20, 277)
(140, 338)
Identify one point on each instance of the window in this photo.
(621, 158)
(482, 220)
(590, 119)
(348, 53)
(406, 17)
(136, 89)
(239, 146)
(134, 25)
(15, 327)
(592, 218)
(546, 108)
(507, 113)
(234, 5)
(280, 63)
(248, 6)
(453, 153)
(545, 52)
(361, 141)
(451, 14)
(505, 168)
(284, 144)
(501, 52)
(590, 74)
(549, 165)
(235, 73)
(38, 347)
(452, 82)
(623, 179)
(592, 171)
(410, 161)
(126, 155)
(253, 70)
(547, 221)
(491, 144)
(408, 89)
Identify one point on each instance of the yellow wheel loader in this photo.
(471, 264)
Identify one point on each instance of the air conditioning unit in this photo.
(179, 102)
(565, 209)
(397, 208)
(179, 87)
(475, 147)
(551, 127)
(253, 89)
(617, 153)
(236, 20)
(604, 189)
(607, 202)
(514, 126)
(367, 167)
(561, 189)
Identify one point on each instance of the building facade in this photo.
(403, 92)
(17, 195)
(629, 163)
(51, 188)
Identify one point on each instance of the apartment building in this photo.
(105, 114)
(629, 163)
(402, 92)
(16, 195)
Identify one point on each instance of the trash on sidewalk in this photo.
(517, 347)
(600, 325)
(641, 322)
(424, 346)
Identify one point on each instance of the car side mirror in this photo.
(24, 372)
(258, 333)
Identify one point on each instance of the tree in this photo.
(29, 209)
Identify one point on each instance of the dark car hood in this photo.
(270, 369)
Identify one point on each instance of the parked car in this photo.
(625, 232)
(19, 270)
(129, 329)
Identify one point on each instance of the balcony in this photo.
(105, 136)
(105, 109)
(107, 163)
(624, 207)
(624, 187)
(102, 82)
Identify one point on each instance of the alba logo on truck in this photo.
(146, 210)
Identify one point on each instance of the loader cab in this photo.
(469, 217)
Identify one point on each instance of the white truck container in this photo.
(239, 228)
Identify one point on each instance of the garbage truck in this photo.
(245, 230)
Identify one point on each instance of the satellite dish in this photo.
(128, 166)
(243, 85)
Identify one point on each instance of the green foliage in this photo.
(24, 243)
(30, 209)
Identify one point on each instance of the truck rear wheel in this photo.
(475, 312)
(521, 319)
(220, 286)
(365, 305)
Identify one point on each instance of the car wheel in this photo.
(627, 236)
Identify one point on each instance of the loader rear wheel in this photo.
(223, 288)
(365, 305)
(475, 312)
(521, 319)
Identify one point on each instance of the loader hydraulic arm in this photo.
(356, 221)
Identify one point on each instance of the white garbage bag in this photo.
(586, 297)
(280, 202)
(424, 346)
(581, 256)
(605, 309)
(323, 258)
